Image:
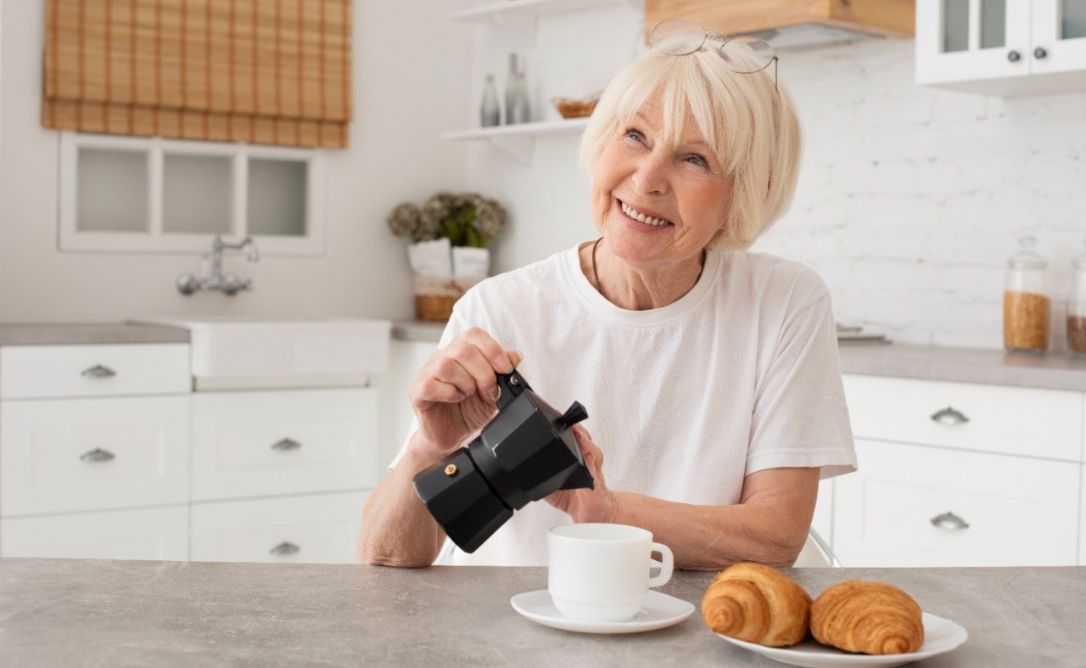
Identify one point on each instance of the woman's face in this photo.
(682, 189)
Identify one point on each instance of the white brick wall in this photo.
(911, 198)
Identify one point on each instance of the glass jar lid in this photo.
(1027, 257)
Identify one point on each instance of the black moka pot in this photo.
(526, 452)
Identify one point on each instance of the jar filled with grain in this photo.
(1076, 306)
(1026, 304)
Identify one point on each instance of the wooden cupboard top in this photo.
(876, 17)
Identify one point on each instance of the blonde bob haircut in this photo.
(750, 124)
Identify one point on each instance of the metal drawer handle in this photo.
(286, 444)
(285, 548)
(96, 455)
(949, 415)
(949, 522)
(98, 371)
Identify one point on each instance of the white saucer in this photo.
(660, 610)
(940, 636)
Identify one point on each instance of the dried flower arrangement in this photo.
(465, 219)
(448, 254)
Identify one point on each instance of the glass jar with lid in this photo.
(1076, 306)
(1026, 304)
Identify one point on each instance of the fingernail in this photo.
(494, 393)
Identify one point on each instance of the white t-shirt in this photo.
(739, 375)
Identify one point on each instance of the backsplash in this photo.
(910, 198)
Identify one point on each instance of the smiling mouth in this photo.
(641, 217)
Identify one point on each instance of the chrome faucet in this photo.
(213, 278)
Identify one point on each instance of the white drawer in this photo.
(155, 533)
(272, 443)
(1019, 511)
(1082, 521)
(302, 529)
(63, 455)
(1012, 420)
(31, 372)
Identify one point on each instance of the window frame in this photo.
(155, 240)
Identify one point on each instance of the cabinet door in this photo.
(88, 454)
(919, 506)
(971, 40)
(1082, 517)
(823, 514)
(273, 443)
(1058, 41)
(156, 533)
(301, 529)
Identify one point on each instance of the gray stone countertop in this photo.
(64, 334)
(1053, 371)
(56, 612)
(417, 330)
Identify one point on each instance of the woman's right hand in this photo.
(455, 392)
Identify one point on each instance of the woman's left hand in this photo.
(587, 505)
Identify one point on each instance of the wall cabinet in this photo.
(1002, 47)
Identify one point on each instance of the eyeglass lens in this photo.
(676, 37)
(679, 37)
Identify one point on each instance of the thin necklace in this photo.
(596, 275)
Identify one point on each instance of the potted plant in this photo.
(448, 253)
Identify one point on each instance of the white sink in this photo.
(232, 353)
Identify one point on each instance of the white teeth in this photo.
(648, 220)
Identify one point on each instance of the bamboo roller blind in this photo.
(257, 71)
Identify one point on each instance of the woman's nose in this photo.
(650, 177)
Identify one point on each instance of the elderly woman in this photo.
(710, 373)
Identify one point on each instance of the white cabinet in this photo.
(154, 533)
(822, 522)
(920, 506)
(85, 454)
(311, 529)
(1002, 47)
(955, 474)
(987, 418)
(32, 372)
(106, 453)
(283, 442)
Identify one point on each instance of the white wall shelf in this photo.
(518, 140)
(496, 12)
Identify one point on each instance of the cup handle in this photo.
(666, 564)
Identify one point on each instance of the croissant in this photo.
(758, 604)
(868, 617)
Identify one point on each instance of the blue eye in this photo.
(698, 160)
(633, 134)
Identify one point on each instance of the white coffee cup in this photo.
(600, 572)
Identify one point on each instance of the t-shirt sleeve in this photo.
(800, 416)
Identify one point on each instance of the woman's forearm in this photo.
(397, 530)
(713, 537)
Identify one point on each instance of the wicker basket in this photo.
(434, 297)
(434, 307)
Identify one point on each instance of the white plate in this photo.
(660, 610)
(940, 635)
